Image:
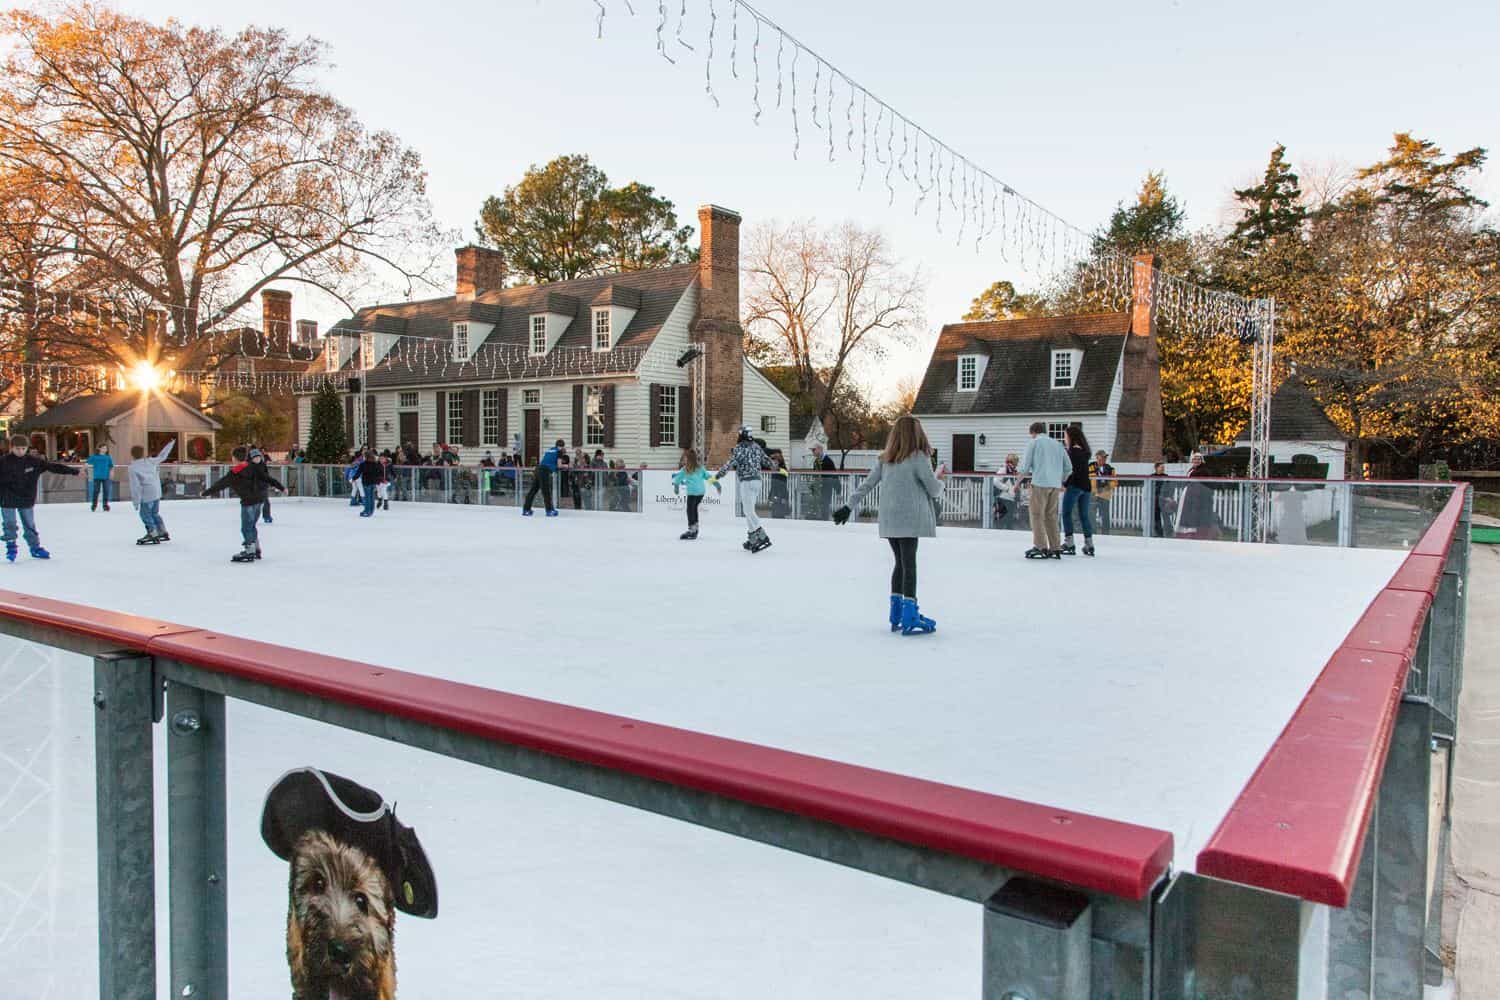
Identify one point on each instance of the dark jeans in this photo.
(369, 499)
(693, 503)
(28, 525)
(904, 576)
(98, 487)
(542, 480)
(1102, 506)
(265, 509)
(1073, 498)
(249, 518)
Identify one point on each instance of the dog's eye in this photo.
(316, 884)
(361, 901)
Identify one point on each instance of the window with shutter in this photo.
(577, 414)
(667, 416)
(489, 417)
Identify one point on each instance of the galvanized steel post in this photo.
(1037, 942)
(126, 841)
(196, 842)
(1400, 905)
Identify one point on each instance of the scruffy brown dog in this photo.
(340, 924)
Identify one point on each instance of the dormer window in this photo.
(1065, 368)
(539, 334)
(968, 373)
(460, 342)
(601, 330)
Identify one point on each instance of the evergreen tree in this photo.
(1272, 209)
(1155, 222)
(325, 438)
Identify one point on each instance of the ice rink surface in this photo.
(1143, 685)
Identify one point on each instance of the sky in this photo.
(1070, 104)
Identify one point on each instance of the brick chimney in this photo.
(717, 329)
(1141, 425)
(480, 269)
(307, 331)
(276, 315)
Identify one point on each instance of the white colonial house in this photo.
(1299, 426)
(988, 381)
(603, 362)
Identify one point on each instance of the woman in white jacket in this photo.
(910, 495)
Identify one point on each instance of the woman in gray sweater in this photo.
(910, 494)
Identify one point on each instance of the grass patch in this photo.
(1487, 504)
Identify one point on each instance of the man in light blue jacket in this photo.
(1046, 462)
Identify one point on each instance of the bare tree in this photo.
(190, 168)
(821, 299)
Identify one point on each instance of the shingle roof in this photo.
(1018, 376)
(95, 411)
(421, 355)
(1296, 416)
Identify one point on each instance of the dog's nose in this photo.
(339, 951)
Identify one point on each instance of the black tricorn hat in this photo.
(309, 799)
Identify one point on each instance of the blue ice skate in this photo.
(10, 551)
(895, 612)
(528, 512)
(551, 513)
(913, 623)
(37, 552)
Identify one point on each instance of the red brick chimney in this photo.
(717, 329)
(1141, 425)
(480, 269)
(276, 315)
(307, 331)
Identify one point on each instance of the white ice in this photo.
(1143, 685)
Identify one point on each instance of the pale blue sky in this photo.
(1071, 103)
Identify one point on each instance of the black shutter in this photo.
(370, 421)
(608, 406)
(440, 432)
(685, 420)
(504, 417)
(471, 418)
(349, 420)
(654, 404)
(578, 437)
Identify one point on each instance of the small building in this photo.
(988, 381)
(1300, 426)
(602, 362)
(120, 420)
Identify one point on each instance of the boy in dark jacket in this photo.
(371, 477)
(250, 482)
(19, 473)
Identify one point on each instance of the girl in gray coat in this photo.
(910, 493)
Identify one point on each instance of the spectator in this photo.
(1046, 462)
(1165, 504)
(781, 501)
(1008, 493)
(100, 465)
(488, 461)
(1102, 473)
(1197, 518)
(823, 484)
(569, 481)
(1079, 491)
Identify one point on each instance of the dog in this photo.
(352, 865)
(340, 923)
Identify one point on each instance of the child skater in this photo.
(145, 492)
(909, 495)
(249, 481)
(19, 471)
(696, 478)
(747, 459)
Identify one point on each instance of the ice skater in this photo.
(250, 482)
(695, 478)
(371, 477)
(258, 458)
(747, 459)
(542, 479)
(19, 472)
(101, 465)
(910, 495)
(1078, 492)
(145, 491)
(1047, 464)
(351, 476)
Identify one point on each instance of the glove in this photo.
(676, 490)
(841, 516)
(719, 489)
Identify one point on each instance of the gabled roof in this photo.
(1018, 375)
(421, 356)
(1296, 416)
(99, 410)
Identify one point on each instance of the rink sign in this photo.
(658, 502)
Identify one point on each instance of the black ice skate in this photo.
(163, 537)
(148, 539)
(1088, 548)
(689, 535)
(760, 541)
(1068, 549)
(243, 556)
(1036, 553)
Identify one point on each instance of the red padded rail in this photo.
(1117, 858)
(1299, 825)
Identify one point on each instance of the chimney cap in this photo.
(275, 293)
(719, 212)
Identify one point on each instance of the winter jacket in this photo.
(549, 459)
(1079, 478)
(695, 481)
(1104, 482)
(1047, 462)
(247, 480)
(101, 464)
(18, 477)
(909, 494)
(371, 473)
(145, 476)
(747, 459)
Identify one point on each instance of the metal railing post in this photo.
(1400, 904)
(123, 770)
(1148, 508)
(1037, 943)
(1346, 516)
(196, 843)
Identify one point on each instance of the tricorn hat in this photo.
(309, 799)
